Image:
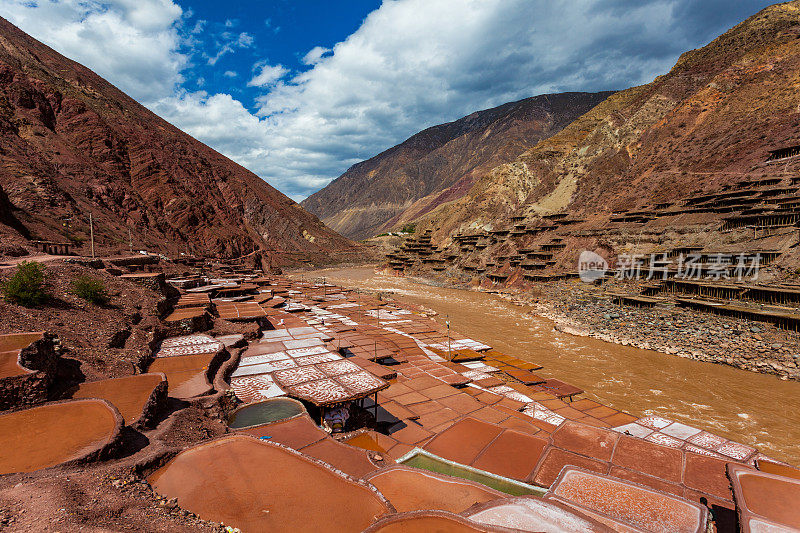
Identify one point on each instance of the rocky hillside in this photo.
(440, 164)
(708, 123)
(72, 144)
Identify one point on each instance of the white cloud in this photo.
(228, 44)
(416, 63)
(267, 75)
(230, 74)
(198, 27)
(411, 64)
(314, 55)
(224, 49)
(245, 40)
(132, 43)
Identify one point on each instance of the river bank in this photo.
(580, 309)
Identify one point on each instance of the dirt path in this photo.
(43, 258)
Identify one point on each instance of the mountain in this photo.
(72, 144)
(708, 124)
(440, 164)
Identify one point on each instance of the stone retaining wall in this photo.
(42, 358)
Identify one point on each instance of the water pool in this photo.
(265, 412)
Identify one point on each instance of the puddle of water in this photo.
(264, 412)
(514, 488)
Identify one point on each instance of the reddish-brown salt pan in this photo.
(128, 394)
(51, 434)
(464, 441)
(259, 486)
(371, 440)
(348, 459)
(770, 497)
(10, 346)
(296, 432)
(9, 365)
(187, 375)
(777, 468)
(18, 341)
(410, 489)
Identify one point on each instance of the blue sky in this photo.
(236, 36)
(297, 91)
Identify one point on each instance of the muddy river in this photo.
(755, 409)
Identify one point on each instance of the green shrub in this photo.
(90, 289)
(27, 285)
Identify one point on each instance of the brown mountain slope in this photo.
(73, 144)
(707, 123)
(441, 163)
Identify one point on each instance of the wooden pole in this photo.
(91, 232)
(449, 352)
(130, 242)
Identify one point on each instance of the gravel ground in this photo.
(584, 310)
